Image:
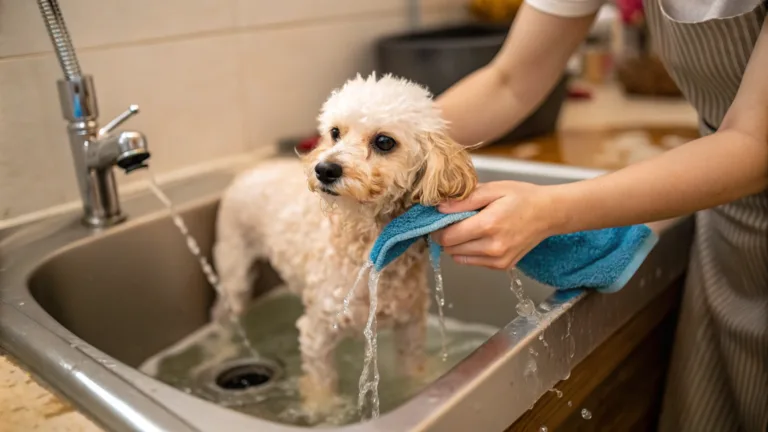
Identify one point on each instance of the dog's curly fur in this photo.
(318, 239)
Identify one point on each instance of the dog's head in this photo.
(384, 143)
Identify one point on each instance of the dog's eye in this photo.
(383, 143)
(335, 134)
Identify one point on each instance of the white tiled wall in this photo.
(213, 78)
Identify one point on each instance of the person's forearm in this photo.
(704, 173)
(483, 107)
(494, 99)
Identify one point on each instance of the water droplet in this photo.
(532, 351)
(658, 273)
(543, 342)
(568, 375)
(450, 305)
(642, 282)
(557, 392)
(570, 404)
(543, 429)
(585, 414)
(530, 367)
(525, 308)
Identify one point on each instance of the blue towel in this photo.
(604, 259)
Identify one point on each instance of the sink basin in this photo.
(116, 321)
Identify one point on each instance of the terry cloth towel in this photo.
(603, 259)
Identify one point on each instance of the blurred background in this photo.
(218, 80)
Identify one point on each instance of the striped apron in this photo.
(718, 379)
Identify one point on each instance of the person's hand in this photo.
(515, 217)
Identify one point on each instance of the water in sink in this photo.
(195, 363)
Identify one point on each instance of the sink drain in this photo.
(241, 376)
(245, 376)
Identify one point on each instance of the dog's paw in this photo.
(319, 398)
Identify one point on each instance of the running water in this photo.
(439, 297)
(569, 337)
(371, 356)
(369, 378)
(525, 306)
(348, 298)
(210, 273)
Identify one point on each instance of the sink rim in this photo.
(24, 325)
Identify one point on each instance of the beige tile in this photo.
(106, 22)
(290, 72)
(188, 92)
(458, 4)
(444, 16)
(255, 13)
(35, 162)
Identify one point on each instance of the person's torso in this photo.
(706, 45)
(693, 11)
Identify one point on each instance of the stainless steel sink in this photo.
(82, 310)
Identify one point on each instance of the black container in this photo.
(441, 57)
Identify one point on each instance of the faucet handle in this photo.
(117, 121)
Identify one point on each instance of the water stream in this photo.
(205, 265)
(369, 378)
(439, 293)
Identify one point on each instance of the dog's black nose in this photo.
(328, 172)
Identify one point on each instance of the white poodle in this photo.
(383, 147)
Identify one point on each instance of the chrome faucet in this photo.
(94, 150)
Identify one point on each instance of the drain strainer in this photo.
(244, 375)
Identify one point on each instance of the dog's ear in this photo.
(447, 172)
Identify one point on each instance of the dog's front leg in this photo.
(410, 344)
(319, 383)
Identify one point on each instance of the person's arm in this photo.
(494, 99)
(717, 169)
(710, 171)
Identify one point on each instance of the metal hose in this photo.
(62, 44)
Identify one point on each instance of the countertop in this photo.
(607, 131)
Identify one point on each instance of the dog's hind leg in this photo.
(234, 258)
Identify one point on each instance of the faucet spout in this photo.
(128, 150)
